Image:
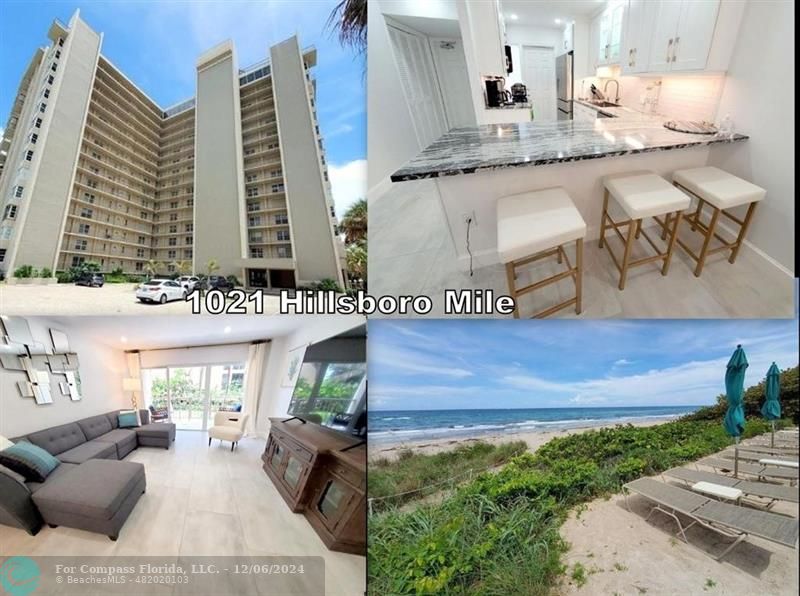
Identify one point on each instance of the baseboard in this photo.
(758, 251)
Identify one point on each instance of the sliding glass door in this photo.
(193, 394)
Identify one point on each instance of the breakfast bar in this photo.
(473, 167)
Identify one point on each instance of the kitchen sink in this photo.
(604, 104)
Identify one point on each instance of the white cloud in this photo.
(397, 358)
(622, 362)
(348, 184)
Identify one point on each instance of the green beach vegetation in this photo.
(499, 533)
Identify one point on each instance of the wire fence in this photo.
(451, 481)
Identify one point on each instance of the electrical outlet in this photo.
(469, 219)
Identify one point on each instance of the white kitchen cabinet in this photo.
(682, 35)
(609, 27)
(639, 22)
(568, 37)
(594, 44)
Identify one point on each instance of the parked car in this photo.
(160, 290)
(216, 282)
(90, 279)
(189, 282)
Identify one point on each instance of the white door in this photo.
(663, 38)
(418, 77)
(695, 31)
(539, 75)
(451, 70)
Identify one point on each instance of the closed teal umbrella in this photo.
(734, 391)
(771, 410)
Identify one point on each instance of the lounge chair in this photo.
(759, 471)
(755, 456)
(728, 520)
(762, 490)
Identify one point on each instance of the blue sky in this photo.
(454, 364)
(156, 44)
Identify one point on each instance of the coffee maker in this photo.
(519, 93)
(496, 94)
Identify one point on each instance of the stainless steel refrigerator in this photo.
(564, 86)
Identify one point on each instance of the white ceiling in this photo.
(431, 27)
(543, 13)
(160, 331)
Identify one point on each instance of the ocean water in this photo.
(412, 425)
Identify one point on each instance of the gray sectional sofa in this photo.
(90, 489)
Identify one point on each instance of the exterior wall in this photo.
(55, 152)
(128, 182)
(308, 198)
(218, 216)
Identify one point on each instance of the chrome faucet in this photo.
(605, 89)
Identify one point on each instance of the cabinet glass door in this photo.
(277, 456)
(615, 35)
(332, 499)
(294, 469)
(604, 37)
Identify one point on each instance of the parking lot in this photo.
(68, 299)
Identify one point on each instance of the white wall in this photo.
(274, 397)
(101, 370)
(759, 96)
(535, 36)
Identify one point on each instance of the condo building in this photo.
(92, 169)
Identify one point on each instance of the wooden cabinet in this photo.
(322, 474)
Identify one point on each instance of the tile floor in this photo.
(411, 253)
(202, 501)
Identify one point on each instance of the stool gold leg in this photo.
(742, 232)
(512, 287)
(579, 275)
(627, 256)
(560, 259)
(712, 226)
(671, 246)
(697, 214)
(603, 217)
(638, 228)
(667, 219)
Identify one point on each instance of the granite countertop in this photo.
(527, 144)
(619, 112)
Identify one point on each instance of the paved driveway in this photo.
(69, 299)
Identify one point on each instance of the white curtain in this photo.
(253, 381)
(134, 372)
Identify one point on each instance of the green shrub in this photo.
(63, 277)
(234, 280)
(25, 271)
(118, 272)
(46, 272)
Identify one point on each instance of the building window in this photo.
(253, 206)
(2, 254)
(276, 173)
(252, 177)
(34, 138)
(54, 67)
(86, 212)
(187, 254)
(61, 42)
(190, 202)
(173, 217)
(83, 228)
(140, 252)
(277, 188)
(281, 219)
(139, 266)
(252, 192)
(141, 239)
(143, 214)
(256, 252)
(173, 229)
(283, 235)
(190, 227)
(38, 123)
(256, 238)
(18, 191)
(188, 240)
(76, 261)
(46, 93)
(171, 254)
(284, 252)
(173, 205)
(254, 220)
(88, 198)
(10, 212)
(58, 53)
(29, 156)
(172, 242)
(50, 79)
(80, 245)
(91, 183)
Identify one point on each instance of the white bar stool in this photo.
(535, 225)
(641, 195)
(722, 191)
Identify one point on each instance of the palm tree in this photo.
(211, 267)
(182, 267)
(350, 18)
(151, 267)
(357, 259)
(354, 222)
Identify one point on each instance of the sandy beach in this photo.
(533, 438)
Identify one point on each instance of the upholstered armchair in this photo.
(158, 415)
(228, 426)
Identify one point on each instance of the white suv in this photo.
(189, 282)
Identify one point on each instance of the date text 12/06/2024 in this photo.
(326, 302)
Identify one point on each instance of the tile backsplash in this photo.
(688, 97)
